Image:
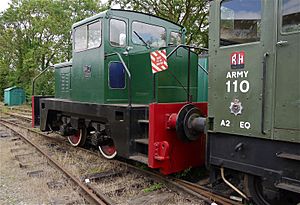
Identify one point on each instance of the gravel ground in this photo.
(16, 187)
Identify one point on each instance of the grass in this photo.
(153, 187)
(95, 170)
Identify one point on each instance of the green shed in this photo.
(202, 78)
(14, 96)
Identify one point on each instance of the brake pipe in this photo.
(231, 185)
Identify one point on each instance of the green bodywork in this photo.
(202, 78)
(73, 84)
(279, 118)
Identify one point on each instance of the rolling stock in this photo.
(254, 93)
(111, 96)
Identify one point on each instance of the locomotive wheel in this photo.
(107, 148)
(78, 139)
(264, 193)
(254, 188)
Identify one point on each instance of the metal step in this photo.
(289, 156)
(289, 187)
(144, 141)
(143, 121)
(140, 158)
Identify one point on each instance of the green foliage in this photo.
(153, 187)
(192, 174)
(35, 34)
(183, 174)
(192, 14)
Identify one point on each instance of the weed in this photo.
(94, 170)
(183, 174)
(153, 187)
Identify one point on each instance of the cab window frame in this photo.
(280, 12)
(126, 32)
(86, 26)
(141, 44)
(259, 32)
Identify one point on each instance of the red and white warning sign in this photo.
(159, 60)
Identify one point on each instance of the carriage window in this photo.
(290, 15)
(80, 40)
(175, 38)
(240, 21)
(94, 35)
(154, 36)
(117, 33)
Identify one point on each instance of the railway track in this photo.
(20, 116)
(94, 197)
(197, 191)
(21, 109)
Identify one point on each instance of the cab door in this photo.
(287, 88)
(117, 77)
(238, 44)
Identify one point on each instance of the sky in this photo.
(4, 4)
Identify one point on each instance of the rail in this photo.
(208, 195)
(127, 72)
(97, 198)
(189, 70)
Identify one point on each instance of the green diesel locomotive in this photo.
(254, 95)
(112, 96)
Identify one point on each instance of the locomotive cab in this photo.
(111, 50)
(109, 96)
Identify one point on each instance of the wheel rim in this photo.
(77, 139)
(108, 149)
(255, 188)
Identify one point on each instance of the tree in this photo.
(35, 34)
(192, 14)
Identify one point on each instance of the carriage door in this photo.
(117, 76)
(287, 100)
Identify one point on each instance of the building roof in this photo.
(12, 88)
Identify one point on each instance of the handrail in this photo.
(203, 69)
(264, 76)
(36, 77)
(189, 67)
(185, 46)
(127, 72)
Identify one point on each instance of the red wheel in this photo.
(107, 148)
(78, 139)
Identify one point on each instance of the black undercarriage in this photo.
(120, 122)
(272, 167)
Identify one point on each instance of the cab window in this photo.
(117, 34)
(175, 38)
(290, 15)
(87, 36)
(240, 21)
(80, 38)
(94, 35)
(154, 36)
